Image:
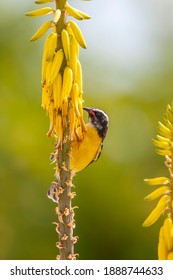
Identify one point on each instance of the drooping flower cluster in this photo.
(61, 70)
(164, 192)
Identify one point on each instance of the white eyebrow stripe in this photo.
(105, 115)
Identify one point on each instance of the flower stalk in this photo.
(62, 99)
(164, 192)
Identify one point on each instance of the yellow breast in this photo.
(82, 153)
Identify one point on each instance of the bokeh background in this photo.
(128, 72)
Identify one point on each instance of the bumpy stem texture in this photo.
(64, 209)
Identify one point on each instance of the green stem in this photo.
(60, 4)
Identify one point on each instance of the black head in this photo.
(99, 120)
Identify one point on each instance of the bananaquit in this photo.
(89, 149)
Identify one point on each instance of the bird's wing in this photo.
(98, 153)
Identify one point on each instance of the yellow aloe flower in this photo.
(40, 12)
(164, 192)
(61, 70)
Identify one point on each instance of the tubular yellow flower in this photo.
(66, 43)
(45, 98)
(64, 113)
(48, 74)
(73, 54)
(76, 13)
(50, 46)
(52, 116)
(161, 206)
(55, 66)
(59, 130)
(67, 82)
(170, 256)
(164, 152)
(42, 30)
(158, 192)
(40, 12)
(49, 53)
(44, 70)
(162, 250)
(81, 114)
(57, 92)
(73, 12)
(78, 34)
(78, 77)
(75, 98)
(85, 16)
(167, 231)
(164, 130)
(165, 246)
(164, 142)
(157, 181)
(57, 16)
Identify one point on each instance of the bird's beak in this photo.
(87, 109)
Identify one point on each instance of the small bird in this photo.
(89, 149)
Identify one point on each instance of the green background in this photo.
(128, 72)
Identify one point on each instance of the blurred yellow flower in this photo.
(164, 192)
